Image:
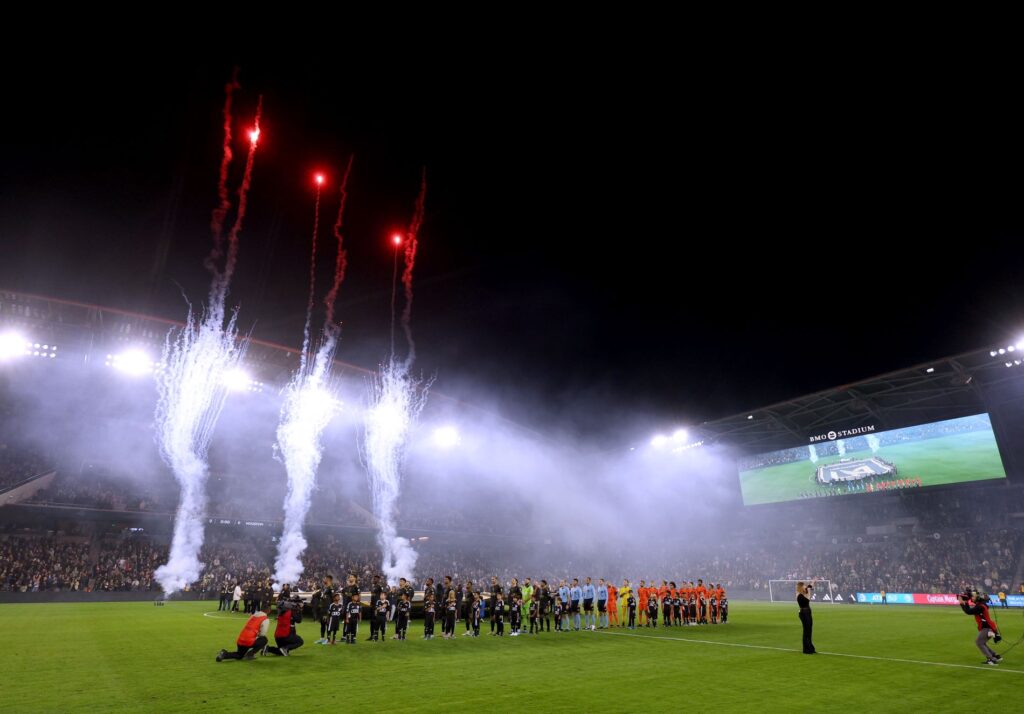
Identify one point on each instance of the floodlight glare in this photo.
(446, 437)
(134, 362)
(237, 380)
(12, 345)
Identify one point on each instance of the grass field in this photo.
(971, 456)
(140, 658)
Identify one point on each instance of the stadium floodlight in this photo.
(447, 437)
(749, 417)
(1020, 344)
(679, 436)
(12, 345)
(1002, 350)
(930, 370)
(1011, 348)
(134, 362)
(992, 353)
(659, 440)
(237, 380)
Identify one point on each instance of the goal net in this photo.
(785, 590)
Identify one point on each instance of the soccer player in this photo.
(575, 595)
(612, 619)
(642, 596)
(546, 602)
(403, 610)
(351, 588)
(335, 613)
(624, 592)
(353, 612)
(322, 605)
(589, 594)
(631, 609)
(602, 604)
(251, 639)
(667, 597)
(528, 592)
(496, 593)
(468, 603)
(677, 607)
(514, 591)
(563, 592)
(702, 595)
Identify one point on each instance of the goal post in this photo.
(785, 590)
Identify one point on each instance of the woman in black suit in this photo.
(803, 592)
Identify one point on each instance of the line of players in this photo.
(571, 608)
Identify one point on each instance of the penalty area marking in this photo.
(214, 616)
(988, 668)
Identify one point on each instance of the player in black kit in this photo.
(429, 613)
(380, 618)
(402, 616)
(353, 611)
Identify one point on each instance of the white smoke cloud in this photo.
(309, 405)
(191, 389)
(874, 442)
(396, 400)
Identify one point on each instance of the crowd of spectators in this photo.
(17, 465)
(912, 563)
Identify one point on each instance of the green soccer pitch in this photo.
(971, 456)
(140, 658)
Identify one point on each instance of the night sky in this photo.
(607, 239)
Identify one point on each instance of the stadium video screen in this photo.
(942, 452)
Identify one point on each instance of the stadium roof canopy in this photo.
(947, 388)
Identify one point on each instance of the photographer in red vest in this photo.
(973, 603)
(252, 638)
(289, 613)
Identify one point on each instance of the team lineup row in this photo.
(571, 607)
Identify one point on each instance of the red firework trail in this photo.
(243, 195)
(312, 277)
(341, 262)
(224, 205)
(411, 244)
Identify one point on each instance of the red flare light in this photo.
(397, 239)
(319, 179)
(254, 135)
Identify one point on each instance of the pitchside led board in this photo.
(864, 461)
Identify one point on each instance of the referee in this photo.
(803, 592)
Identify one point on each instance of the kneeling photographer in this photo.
(289, 614)
(974, 603)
